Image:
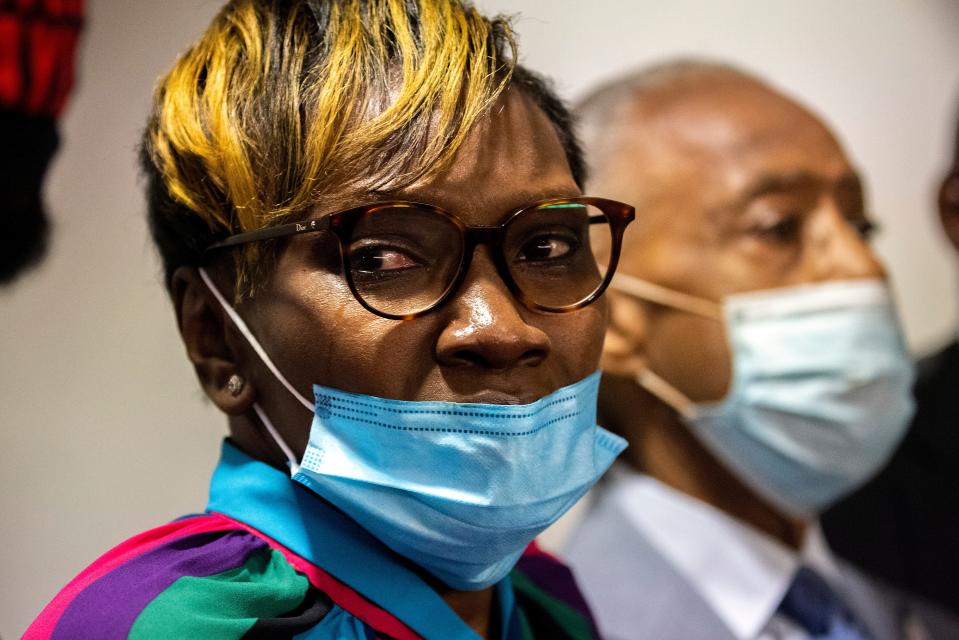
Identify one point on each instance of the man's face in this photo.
(737, 189)
(482, 345)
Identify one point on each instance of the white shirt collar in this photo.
(739, 571)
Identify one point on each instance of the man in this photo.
(754, 362)
(904, 525)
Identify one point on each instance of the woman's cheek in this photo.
(578, 337)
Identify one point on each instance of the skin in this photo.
(481, 346)
(737, 189)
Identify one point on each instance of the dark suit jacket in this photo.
(904, 525)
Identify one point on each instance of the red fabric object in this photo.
(38, 43)
(534, 550)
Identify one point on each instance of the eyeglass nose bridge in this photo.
(490, 236)
(473, 237)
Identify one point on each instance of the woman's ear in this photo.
(949, 207)
(624, 352)
(211, 341)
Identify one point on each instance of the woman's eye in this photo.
(547, 248)
(381, 259)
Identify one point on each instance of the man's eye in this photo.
(547, 248)
(865, 227)
(381, 259)
(784, 231)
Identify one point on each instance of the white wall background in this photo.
(103, 432)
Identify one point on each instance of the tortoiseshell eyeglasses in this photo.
(404, 259)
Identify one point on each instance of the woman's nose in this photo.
(486, 325)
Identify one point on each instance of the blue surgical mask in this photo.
(459, 489)
(820, 393)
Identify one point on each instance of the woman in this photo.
(385, 276)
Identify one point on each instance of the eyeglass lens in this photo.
(403, 260)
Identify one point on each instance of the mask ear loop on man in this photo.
(241, 325)
(666, 297)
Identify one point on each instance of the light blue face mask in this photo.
(820, 393)
(459, 489)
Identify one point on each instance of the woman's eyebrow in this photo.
(519, 199)
(503, 203)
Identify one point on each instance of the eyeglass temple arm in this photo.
(293, 228)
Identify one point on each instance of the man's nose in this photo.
(837, 250)
(485, 325)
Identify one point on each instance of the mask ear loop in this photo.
(655, 293)
(261, 352)
(667, 393)
(667, 297)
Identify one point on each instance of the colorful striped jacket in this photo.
(269, 559)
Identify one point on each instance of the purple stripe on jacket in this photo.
(555, 579)
(108, 607)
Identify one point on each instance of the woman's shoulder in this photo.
(200, 576)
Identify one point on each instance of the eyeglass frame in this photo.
(342, 223)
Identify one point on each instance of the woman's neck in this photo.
(475, 608)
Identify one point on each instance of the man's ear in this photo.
(949, 207)
(211, 342)
(624, 351)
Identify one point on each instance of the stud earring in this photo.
(235, 385)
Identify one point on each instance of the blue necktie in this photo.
(814, 606)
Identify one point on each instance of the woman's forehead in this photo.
(510, 158)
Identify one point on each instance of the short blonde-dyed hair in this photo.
(281, 104)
